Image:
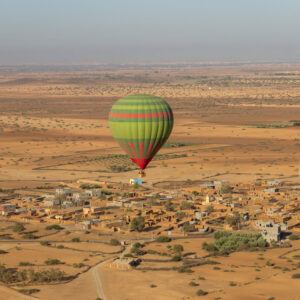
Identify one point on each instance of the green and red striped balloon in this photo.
(141, 124)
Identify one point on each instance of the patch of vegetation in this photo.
(119, 169)
(293, 237)
(3, 251)
(296, 276)
(79, 265)
(51, 262)
(193, 283)
(232, 283)
(177, 144)
(29, 236)
(28, 291)
(54, 226)
(176, 257)
(163, 239)
(185, 270)
(75, 240)
(226, 189)
(86, 186)
(201, 293)
(128, 255)
(25, 263)
(226, 242)
(17, 227)
(137, 224)
(44, 243)
(115, 242)
(60, 246)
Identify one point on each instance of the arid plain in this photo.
(236, 121)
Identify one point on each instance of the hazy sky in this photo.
(124, 31)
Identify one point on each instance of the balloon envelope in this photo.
(141, 124)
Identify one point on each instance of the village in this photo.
(270, 207)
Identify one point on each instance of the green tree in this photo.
(137, 224)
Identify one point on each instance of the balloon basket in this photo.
(142, 174)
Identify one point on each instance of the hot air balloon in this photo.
(141, 124)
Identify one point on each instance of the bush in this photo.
(128, 255)
(29, 236)
(75, 240)
(177, 248)
(18, 227)
(176, 257)
(80, 265)
(3, 251)
(296, 276)
(29, 291)
(44, 243)
(25, 263)
(293, 237)
(232, 283)
(60, 246)
(193, 283)
(150, 251)
(185, 270)
(115, 242)
(137, 224)
(163, 239)
(201, 293)
(51, 262)
(54, 226)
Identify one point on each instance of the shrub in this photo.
(25, 263)
(3, 251)
(29, 236)
(54, 226)
(232, 283)
(60, 246)
(28, 291)
(51, 262)
(150, 251)
(18, 227)
(177, 248)
(75, 240)
(163, 239)
(201, 278)
(80, 265)
(185, 270)
(193, 283)
(44, 243)
(128, 255)
(201, 293)
(115, 242)
(176, 257)
(137, 224)
(296, 276)
(293, 237)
